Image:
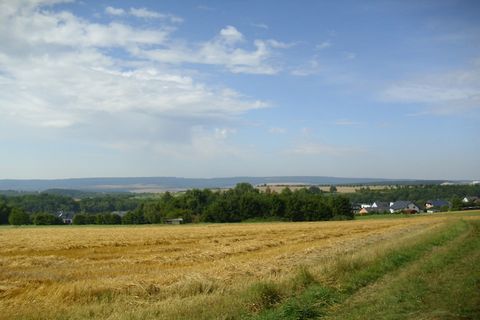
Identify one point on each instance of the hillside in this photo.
(156, 184)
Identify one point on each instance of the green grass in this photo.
(443, 284)
(433, 277)
(465, 213)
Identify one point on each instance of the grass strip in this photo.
(350, 274)
(443, 284)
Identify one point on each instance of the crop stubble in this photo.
(47, 269)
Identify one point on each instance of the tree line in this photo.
(241, 203)
(46, 202)
(418, 193)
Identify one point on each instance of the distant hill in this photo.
(158, 184)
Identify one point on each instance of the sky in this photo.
(197, 88)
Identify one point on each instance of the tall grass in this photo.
(349, 274)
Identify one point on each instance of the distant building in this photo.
(120, 213)
(404, 206)
(435, 205)
(67, 217)
(381, 206)
(369, 210)
(174, 221)
(469, 199)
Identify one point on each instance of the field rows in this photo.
(99, 271)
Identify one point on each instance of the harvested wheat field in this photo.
(185, 272)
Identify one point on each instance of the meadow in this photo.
(303, 270)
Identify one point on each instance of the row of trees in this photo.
(105, 218)
(419, 193)
(242, 203)
(46, 202)
(18, 216)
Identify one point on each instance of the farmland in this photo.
(232, 270)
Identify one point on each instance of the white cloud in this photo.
(222, 51)
(260, 25)
(277, 130)
(149, 14)
(36, 30)
(231, 35)
(323, 45)
(445, 93)
(312, 67)
(114, 11)
(314, 148)
(278, 44)
(347, 122)
(350, 55)
(143, 13)
(55, 74)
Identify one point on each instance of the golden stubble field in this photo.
(340, 189)
(161, 271)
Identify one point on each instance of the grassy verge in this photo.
(443, 284)
(351, 274)
(406, 216)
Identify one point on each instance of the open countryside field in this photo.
(338, 270)
(340, 188)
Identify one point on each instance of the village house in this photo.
(67, 217)
(435, 205)
(174, 221)
(470, 199)
(381, 206)
(120, 213)
(404, 206)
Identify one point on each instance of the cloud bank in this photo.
(64, 72)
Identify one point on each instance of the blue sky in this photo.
(233, 88)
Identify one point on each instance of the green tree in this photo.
(80, 219)
(114, 218)
(333, 189)
(4, 212)
(18, 217)
(134, 217)
(152, 212)
(315, 190)
(46, 219)
(341, 206)
(243, 187)
(456, 204)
